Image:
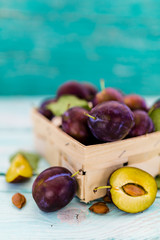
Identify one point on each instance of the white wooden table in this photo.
(72, 222)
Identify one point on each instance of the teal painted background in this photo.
(44, 43)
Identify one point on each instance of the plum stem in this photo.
(90, 116)
(102, 84)
(101, 187)
(74, 174)
(68, 106)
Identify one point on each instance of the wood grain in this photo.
(72, 222)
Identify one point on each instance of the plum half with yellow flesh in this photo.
(19, 170)
(132, 190)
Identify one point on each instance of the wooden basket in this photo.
(96, 161)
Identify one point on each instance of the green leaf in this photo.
(65, 102)
(32, 158)
(154, 114)
(157, 178)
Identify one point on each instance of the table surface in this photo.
(72, 222)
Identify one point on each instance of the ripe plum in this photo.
(108, 94)
(54, 188)
(74, 122)
(110, 121)
(135, 102)
(143, 124)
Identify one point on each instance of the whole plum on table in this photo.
(44, 111)
(54, 188)
(110, 121)
(74, 123)
(108, 94)
(135, 102)
(143, 124)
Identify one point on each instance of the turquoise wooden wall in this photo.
(46, 42)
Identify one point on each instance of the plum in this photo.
(54, 188)
(135, 102)
(132, 190)
(19, 170)
(92, 91)
(73, 88)
(143, 124)
(46, 113)
(108, 94)
(43, 108)
(81, 90)
(110, 121)
(74, 123)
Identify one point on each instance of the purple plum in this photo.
(143, 124)
(110, 121)
(81, 90)
(92, 91)
(108, 94)
(54, 188)
(44, 111)
(74, 123)
(135, 102)
(72, 88)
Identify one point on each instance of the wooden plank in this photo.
(108, 152)
(75, 222)
(16, 112)
(72, 222)
(24, 187)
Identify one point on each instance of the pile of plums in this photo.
(113, 115)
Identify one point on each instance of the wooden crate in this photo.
(96, 161)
